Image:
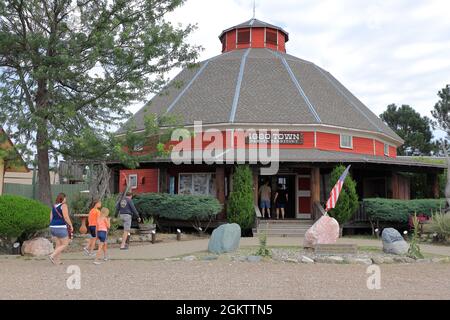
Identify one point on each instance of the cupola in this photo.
(254, 34)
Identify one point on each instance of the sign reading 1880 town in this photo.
(275, 138)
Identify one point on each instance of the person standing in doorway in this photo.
(281, 200)
(127, 210)
(265, 193)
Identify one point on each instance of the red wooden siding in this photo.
(379, 148)
(147, 180)
(257, 37)
(231, 40)
(392, 152)
(328, 141)
(324, 141)
(281, 42)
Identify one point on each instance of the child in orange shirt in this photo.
(103, 225)
(92, 226)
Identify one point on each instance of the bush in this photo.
(80, 204)
(348, 198)
(441, 225)
(178, 207)
(241, 209)
(21, 217)
(390, 210)
(110, 203)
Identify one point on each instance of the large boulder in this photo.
(324, 231)
(393, 242)
(225, 238)
(37, 247)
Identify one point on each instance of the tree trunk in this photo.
(44, 187)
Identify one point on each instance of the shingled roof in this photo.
(262, 86)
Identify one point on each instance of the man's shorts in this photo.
(126, 220)
(92, 231)
(265, 204)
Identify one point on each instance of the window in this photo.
(133, 181)
(138, 147)
(243, 36)
(346, 141)
(271, 37)
(386, 149)
(197, 184)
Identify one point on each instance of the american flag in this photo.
(334, 194)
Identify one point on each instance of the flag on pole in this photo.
(334, 195)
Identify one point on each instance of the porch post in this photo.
(315, 185)
(220, 189)
(163, 180)
(395, 185)
(433, 181)
(255, 187)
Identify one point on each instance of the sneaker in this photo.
(86, 251)
(51, 259)
(92, 254)
(105, 259)
(97, 263)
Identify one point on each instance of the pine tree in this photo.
(348, 198)
(241, 208)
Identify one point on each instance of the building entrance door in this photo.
(287, 183)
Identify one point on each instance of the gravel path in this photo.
(121, 279)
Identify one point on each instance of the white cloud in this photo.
(385, 52)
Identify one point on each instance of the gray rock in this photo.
(393, 242)
(306, 260)
(390, 235)
(378, 260)
(330, 259)
(254, 258)
(172, 259)
(290, 260)
(210, 258)
(440, 260)
(225, 239)
(189, 258)
(364, 261)
(404, 260)
(388, 260)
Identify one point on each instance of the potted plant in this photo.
(147, 225)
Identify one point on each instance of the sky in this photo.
(395, 51)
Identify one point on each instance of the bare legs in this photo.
(61, 245)
(91, 244)
(278, 213)
(124, 238)
(101, 248)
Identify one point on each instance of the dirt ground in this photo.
(130, 279)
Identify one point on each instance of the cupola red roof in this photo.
(254, 34)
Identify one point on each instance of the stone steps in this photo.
(283, 228)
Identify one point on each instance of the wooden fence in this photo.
(25, 190)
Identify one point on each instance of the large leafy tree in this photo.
(69, 67)
(411, 127)
(441, 111)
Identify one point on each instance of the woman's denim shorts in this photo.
(59, 233)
